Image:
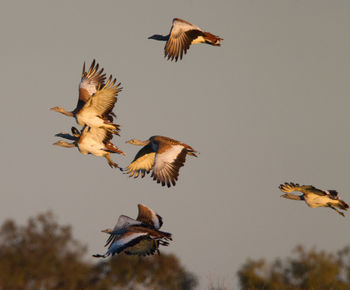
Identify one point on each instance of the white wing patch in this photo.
(124, 241)
(180, 26)
(89, 85)
(124, 222)
(168, 156)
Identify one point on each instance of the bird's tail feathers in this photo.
(212, 39)
(343, 205)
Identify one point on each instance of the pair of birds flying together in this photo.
(93, 112)
(140, 236)
(314, 197)
(163, 155)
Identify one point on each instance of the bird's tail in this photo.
(212, 39)
(114, 149)
(342, 205)
(166, 236)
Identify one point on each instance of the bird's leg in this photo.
(332, 207)
(110, 161)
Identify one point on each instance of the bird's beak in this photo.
(105, 231)
(284, 195)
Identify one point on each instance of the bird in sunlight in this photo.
(136, 237)
(91, 140)
(96, 100)
(182, 35)
(314, 197)
(162, 154)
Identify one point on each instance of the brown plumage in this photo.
(313, 196)
(91, 140)
(163, 155)
(182, 35)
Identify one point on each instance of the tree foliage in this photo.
(308, 270)
(44, 255)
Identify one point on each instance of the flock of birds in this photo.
(162, 155)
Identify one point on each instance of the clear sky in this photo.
(269, 106)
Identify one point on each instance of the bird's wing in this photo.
(99, 135)
(128, 239)
(149, 217)
(305, 189)
(181, 35)
(146, 246)
(142, 163)
(122, 224)
(169, 159)
(125, 221)
(90, 81)
(102, 102)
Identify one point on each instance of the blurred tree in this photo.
(155, 272)
(44, 255)
(308, 270)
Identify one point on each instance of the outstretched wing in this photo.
(168, 161)
(102, 102)
(305, 189)
(182, 34)
(90, 81)
(149, 217)
(122, 224)
(142, 163)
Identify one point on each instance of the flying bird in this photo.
(96, 100)
(91, 140)
(182, 35)
(136, 237)
(163, 155)
(314, 197)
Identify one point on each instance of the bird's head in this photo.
(64, 144)
(57, 109)
(107, 231)
(137, 142)
(60, 142)
(159, 37)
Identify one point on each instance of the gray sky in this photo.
(271, 105)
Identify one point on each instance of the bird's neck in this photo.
(293, 196)
(140, 143)
(64, 112)
(66, 144)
